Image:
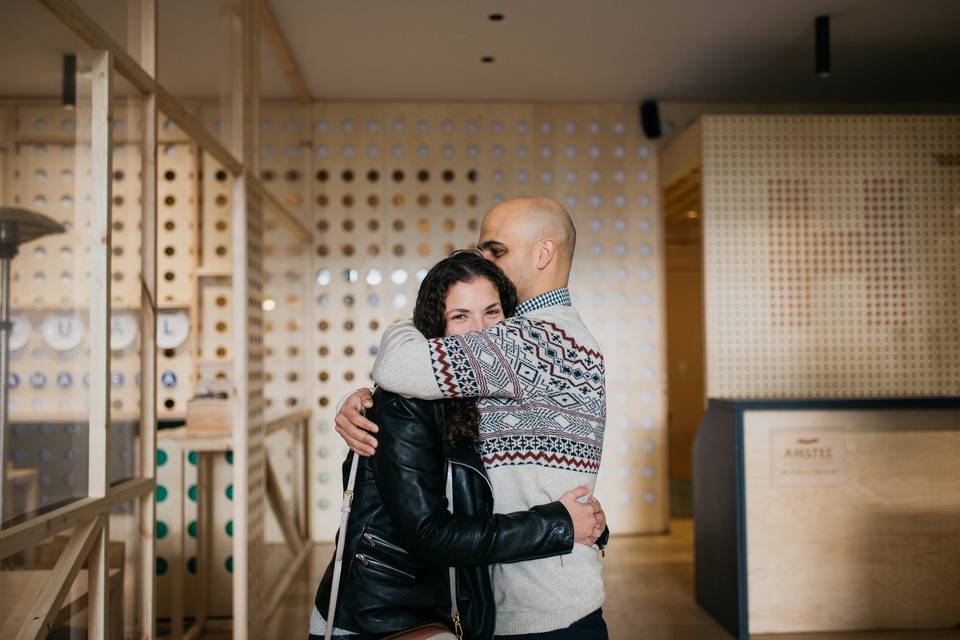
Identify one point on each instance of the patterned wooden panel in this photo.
(397, 186)
(831, 256)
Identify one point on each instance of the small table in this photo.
(295, 526)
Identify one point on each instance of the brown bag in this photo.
(434, 631)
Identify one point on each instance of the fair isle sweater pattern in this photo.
(542, 396)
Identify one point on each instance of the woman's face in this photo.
(472, 306)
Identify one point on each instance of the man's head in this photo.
(532, 240)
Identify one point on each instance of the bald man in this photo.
(539, 380)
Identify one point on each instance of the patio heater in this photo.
(17, 226)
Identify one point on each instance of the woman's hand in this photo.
(585, 516)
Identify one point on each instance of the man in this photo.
(540, 380)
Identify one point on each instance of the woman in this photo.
(401, 539)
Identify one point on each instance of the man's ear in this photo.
(546, 253)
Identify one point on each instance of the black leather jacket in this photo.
(401, 539)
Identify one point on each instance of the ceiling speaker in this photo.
(650, 119)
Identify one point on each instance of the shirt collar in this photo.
(553, 298)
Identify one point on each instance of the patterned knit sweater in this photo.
(540, 380)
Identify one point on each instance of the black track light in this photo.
(69, 89)
(822, 47)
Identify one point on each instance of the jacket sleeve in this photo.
(410, 476)
(515, 358)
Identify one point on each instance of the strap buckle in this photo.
(457, 627)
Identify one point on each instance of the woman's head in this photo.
(462, 293)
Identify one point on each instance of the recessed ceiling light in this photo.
(495, 17)
(487, 59)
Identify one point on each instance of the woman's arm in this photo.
(410, 476)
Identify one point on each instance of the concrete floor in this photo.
(649, 583)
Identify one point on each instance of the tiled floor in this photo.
(649, 583)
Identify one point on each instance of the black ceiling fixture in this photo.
(495, 17)
(487, 59)
(822, 46)
(68, 95)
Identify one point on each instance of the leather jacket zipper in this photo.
(368, 561)
(373, 541)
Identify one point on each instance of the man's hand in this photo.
(584, 515)
(353, 427)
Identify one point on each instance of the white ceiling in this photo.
(550, 50)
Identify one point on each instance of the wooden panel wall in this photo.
(832, 255)
(392, 188)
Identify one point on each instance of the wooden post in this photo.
(147, 582)
(101, 182)
(248, 429)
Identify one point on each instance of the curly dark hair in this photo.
(462, 416)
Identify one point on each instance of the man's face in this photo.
(507, 247)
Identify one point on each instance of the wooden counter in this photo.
(833, 515)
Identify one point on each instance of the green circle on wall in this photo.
(192, 565)
(192, 457)
(229, 528)
(161, 493)
(192, 492)
(161, 566)
(192, 529)
(162, 529)
(229, 564)
(230, 491)
(161, 457)
(229, 456)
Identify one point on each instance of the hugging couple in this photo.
(466, 512)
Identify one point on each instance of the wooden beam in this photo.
(279, 588)
(279, 506)
(246, 220)
(98, 583)
(289, 419)
(193, 127)
(99, 234)
(145, 29)
(43, 613)
(286, 216)
(87, 29)
(100, 208)
(36, 530)
(281, 49)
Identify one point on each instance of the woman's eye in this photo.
(458, 316)
(493, 312)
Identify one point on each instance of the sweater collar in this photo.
(553, 298)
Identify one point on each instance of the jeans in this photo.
(591, 627)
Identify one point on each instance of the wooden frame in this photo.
(91, 515)
(148, 322)
(101, 179)
(281, 49)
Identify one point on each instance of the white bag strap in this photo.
(454, 609)
(341, 542)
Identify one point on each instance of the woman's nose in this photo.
(474, 324)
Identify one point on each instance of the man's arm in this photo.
(403, 363)
(508, 360)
